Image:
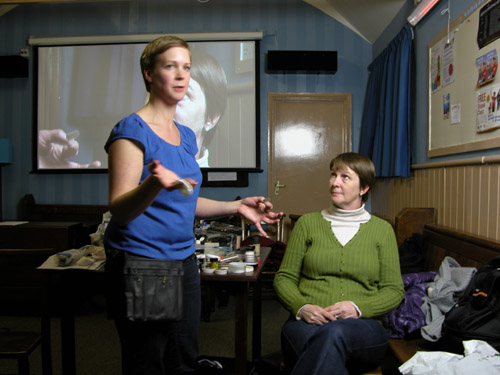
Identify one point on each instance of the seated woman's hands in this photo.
(314, 314)
(343, 310)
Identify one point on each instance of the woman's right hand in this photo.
(314, 314)
(165, 177)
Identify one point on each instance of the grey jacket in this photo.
(442, 295)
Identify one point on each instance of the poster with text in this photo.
(449, 61)
(486, 67)
(436, 67)
(488, 109)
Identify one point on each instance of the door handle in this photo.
(277, 187)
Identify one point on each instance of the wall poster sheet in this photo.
(443, 63)
(436, 53)
(449, 60)
(488, 109)
(487, 67)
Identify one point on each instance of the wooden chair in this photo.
(412, 220)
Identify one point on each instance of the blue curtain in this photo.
(385, 127)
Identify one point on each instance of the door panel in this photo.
(306, 131)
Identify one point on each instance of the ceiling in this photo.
(368, 18)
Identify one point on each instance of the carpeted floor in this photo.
(97, 345)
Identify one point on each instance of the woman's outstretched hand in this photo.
(258, 210)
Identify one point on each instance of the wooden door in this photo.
(306, 131)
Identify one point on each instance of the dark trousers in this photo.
(342, 347)
(159, 348)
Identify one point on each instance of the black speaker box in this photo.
(12, 66)
(302, 62)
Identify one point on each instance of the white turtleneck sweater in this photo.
(345, 223)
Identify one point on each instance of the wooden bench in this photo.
(468, 250)
(88, 214)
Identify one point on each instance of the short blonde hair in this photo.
(360, 164)
(157, 47)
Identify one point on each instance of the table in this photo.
(238, 283)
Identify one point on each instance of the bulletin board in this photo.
(464, 84)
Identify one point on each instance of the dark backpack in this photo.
(411, 258)
(476, 315)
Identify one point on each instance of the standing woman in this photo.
(152, 220)
(339, 276)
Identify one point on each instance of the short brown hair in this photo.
(157, 47)
(360, 164)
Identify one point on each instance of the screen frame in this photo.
(241, 173)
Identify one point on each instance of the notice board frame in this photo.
(444, 138)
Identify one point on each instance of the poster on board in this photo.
(487, 65)
(449, 61)
(435, 67)
(488, 109)
(443, 63)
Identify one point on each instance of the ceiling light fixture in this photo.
(420, 11)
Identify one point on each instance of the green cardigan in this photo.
(317, 269)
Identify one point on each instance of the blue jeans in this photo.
(347, 346)
(159, 348)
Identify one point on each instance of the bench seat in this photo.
(439, 241)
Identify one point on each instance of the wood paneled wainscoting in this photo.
(465, 193)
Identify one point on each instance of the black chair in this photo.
(19, 346)
(22, 293)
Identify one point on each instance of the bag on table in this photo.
(476, 315)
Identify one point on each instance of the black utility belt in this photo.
(148, 289)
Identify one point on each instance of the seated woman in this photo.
(340, 274)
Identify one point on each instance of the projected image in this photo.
(56, 148)
(205, 101)
(83, 91)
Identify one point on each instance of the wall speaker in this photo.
(302, 62)
(12, 66)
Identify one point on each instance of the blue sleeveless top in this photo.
(165, 229)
